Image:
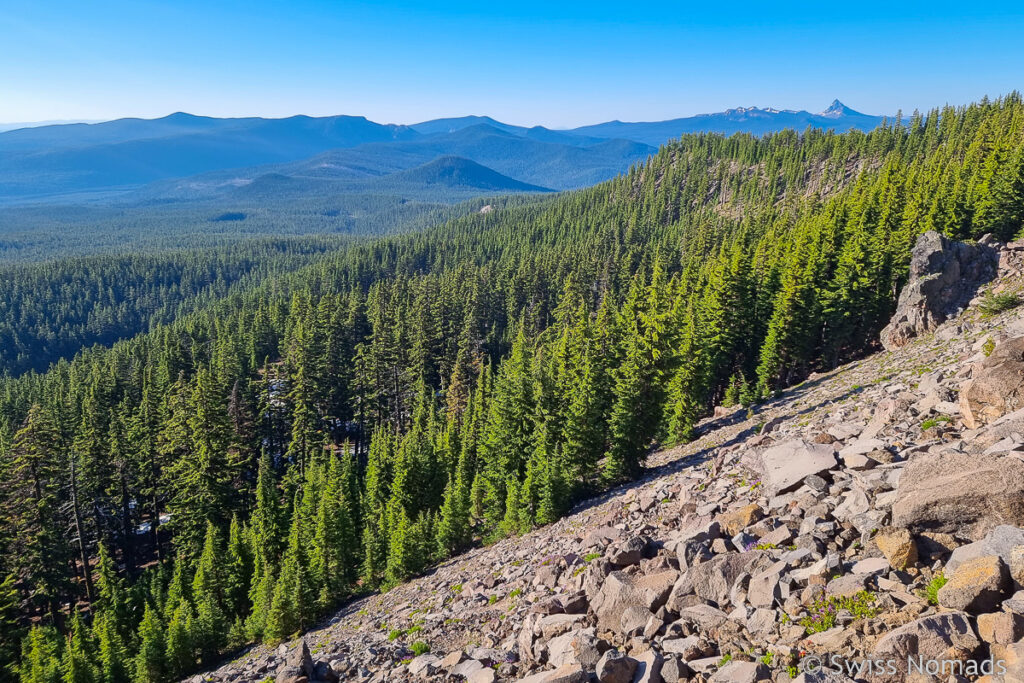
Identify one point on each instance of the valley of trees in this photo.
(52, 310)
(235, 473)
(39, 233)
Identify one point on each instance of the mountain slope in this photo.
(458, 172)
(713, 544)
(51, 159)
(751, 120)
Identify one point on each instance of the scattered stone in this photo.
(737, 520)
(1003, 628)
(615, 667)
(570, 673)
(1000, 541)
(898, 547)
(946, 636)
(648, 667)
(741, 672)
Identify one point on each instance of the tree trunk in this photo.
(77, 519)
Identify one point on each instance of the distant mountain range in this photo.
(182, 156)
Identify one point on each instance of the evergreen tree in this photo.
(184, 639)
(78, 663)
(41, 656)
(209, 595)
(293, 605)
(113, 653)
(151, 660)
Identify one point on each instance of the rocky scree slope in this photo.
(876, 511)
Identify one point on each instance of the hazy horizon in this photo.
(13, 125)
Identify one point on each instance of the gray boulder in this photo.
(741, 672)
(712, 581)
(961, 494)
(786, 465)
(997, 387)
(570, 673)
(1000, 541)
(947, 636)
(977, 585)
(615, 667)
(620, 591)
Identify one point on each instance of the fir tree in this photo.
(151, 660)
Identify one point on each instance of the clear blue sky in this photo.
(555, 63)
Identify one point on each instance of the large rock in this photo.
(823, 675)
(621, 590)
(712, 581)
(741, 672)
(946, 636)
(570, 673)
(997, 386)
(739, 519)
(1000, 541)
(898, 547)
(961, 494)
(298, 665)
(786, 466)
(425, 665)
(648, 667)
(615, 667)
(944, 277)
(1002, 628)
(978, 585)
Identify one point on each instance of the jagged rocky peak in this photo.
(837, 109)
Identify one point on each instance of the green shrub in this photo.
(994, 304)
(935, 421)
(419, 648)
(591, 556)
(395, 634)
(822, 615)
(931, 591)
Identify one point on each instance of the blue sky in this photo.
(553, 63)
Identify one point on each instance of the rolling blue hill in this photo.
(79, 162)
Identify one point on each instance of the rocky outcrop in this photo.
(944, 276)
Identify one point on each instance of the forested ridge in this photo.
(340, 427)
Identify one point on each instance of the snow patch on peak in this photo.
(836, 109)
